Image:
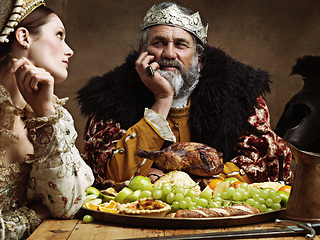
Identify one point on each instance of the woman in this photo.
(41, 171)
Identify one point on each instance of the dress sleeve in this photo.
(59, 176)
(259, 148)
(112, 152)
(18, 224)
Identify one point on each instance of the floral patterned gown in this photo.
(55, 174)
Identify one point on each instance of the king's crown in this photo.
(173, 16)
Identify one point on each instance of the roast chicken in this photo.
(194, 158)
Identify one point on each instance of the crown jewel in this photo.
(20, 10)
(173, 16)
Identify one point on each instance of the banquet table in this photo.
(76, 229)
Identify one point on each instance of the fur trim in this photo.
(221, 103)
(307, 66)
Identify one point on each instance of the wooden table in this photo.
(76, 230)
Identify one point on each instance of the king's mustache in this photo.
(169, 63)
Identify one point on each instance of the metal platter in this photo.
(182, 223)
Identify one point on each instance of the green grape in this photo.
(170, 198)
(256, 196)
(244, 185)
(236, 196)
(155, 189)
(272, 193)
(175, 205)
(87, 219)
(263, 208)
(206, 195)
(157, 194)
(214, 204)
(250, 201)
(191, 205)
(166, 184)
(225, 196)
(191, 193)
(257, 205)
(276, 206)
(269, 210)
(195, 199)
(188, 199)
(215, 195)
(179, 189)
(264, 194)
(183, 204)
(261, 200)
(218, 199)
(164, 197)
(202, 202)
(178, 197)
(146, 194)
(230, 191)
(241, 190)
(269, 202)
(245, 195)
(276, 199)
(166, 189)
(252, 191)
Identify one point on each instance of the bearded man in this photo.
(178, 89)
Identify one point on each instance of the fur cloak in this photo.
(222, 102)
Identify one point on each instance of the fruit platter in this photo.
(176, 201)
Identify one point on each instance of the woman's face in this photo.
(49, 50)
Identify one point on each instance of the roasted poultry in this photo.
(194, 158)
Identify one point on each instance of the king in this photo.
(177, 88)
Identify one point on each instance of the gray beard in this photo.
(183, 84)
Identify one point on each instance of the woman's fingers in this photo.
(29, 77)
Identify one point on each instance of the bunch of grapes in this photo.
(186, 198)
(264, 199)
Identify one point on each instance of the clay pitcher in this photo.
(304, 200)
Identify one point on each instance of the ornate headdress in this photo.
(173, 16)
(12, 12)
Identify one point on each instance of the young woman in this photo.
(41, 172)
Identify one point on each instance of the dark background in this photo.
(267, 34)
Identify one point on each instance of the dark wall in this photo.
(267, 34)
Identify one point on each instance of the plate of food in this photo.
(176, 201)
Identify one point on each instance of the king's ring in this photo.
(150, 71)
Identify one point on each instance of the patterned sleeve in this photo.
(18, 224)
(259, 148)
(59, 176)
(112, 152)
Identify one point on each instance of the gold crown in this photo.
(11, 18)
(173, 16)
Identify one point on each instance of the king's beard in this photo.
(183, 84)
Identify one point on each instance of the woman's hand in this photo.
(161, 88)
(36, 86)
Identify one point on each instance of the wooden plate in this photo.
(181, 223)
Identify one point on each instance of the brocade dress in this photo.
(55, 174)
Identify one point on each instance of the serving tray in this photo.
(182, 223)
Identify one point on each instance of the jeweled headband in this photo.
(12, 12)
(173, 16)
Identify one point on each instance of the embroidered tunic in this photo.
(111, 151)
(54, 174)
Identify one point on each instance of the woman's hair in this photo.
(32, 23)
